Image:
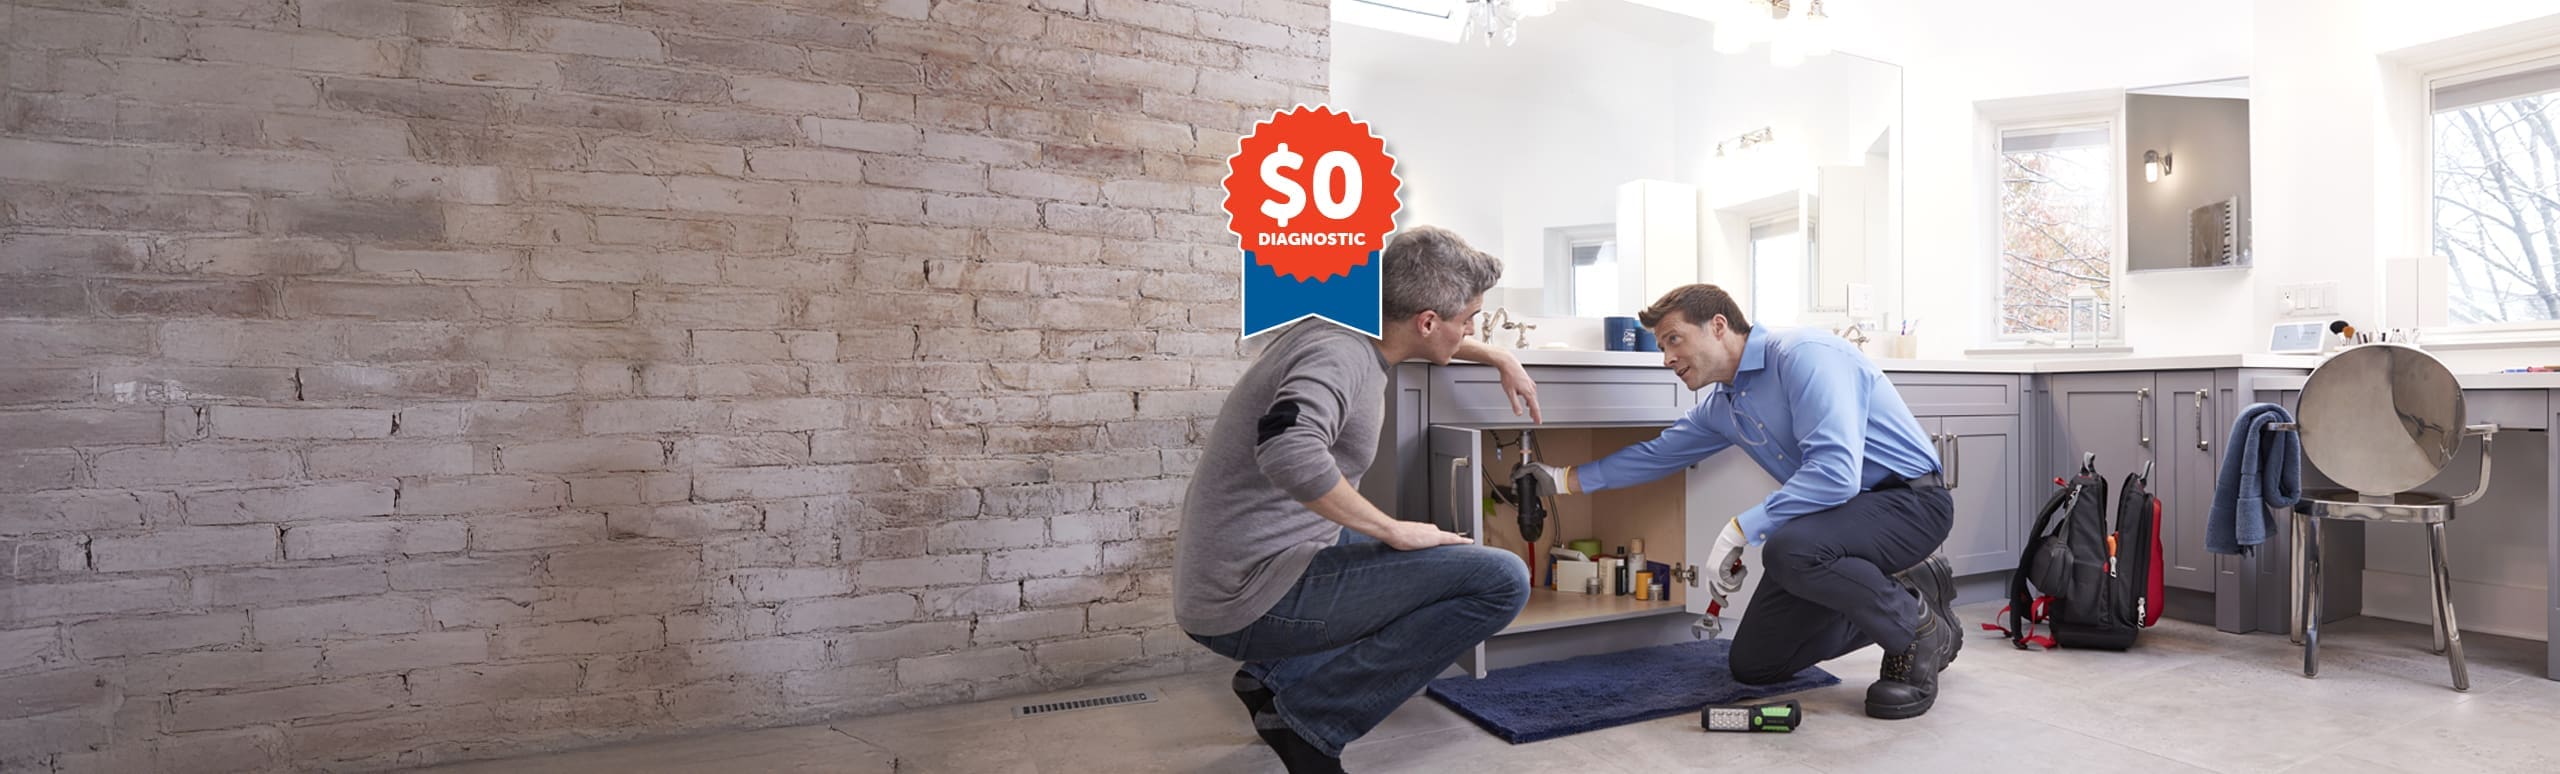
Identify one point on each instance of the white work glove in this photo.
(1552, 478)
(1727, 558)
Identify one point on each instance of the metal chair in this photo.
(2380, 420)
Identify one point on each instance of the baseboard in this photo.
(2510, 611)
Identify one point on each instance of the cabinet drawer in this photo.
(1472, 394)
(1935, 394)
(2509, 409)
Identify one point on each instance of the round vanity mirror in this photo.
(2381, 418)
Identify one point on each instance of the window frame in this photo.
(2103, 108)
(2432, 286)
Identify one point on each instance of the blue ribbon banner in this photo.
(1350, 300)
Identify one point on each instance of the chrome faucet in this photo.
(1524, 329)
(1854, 333)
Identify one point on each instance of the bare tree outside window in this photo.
(2057, 228)
(2497, 207)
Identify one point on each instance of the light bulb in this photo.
(2150, 171)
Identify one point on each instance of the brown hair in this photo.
(1697, 304)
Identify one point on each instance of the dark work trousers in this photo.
(1829, 587)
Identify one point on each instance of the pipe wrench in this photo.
(1711, 625)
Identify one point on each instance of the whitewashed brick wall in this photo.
(385, 383)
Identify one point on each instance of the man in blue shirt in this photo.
(1850, 538)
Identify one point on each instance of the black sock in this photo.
(1300, 755)
(1256, 697)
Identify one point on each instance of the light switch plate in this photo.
(1862, 300)
(2308, 298)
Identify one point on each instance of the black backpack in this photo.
(2093, 574)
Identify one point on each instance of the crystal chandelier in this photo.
(1492, 20)
(1794, 29)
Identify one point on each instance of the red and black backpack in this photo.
(2095, 579)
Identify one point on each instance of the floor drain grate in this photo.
(1028, 710)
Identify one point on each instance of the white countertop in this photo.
(2020, 364)
(2546, 381)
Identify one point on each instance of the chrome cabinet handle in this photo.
(1956, 442)
(2142, 415)
(2202, 443)
(1457, 517)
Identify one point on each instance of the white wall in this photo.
(1501, 143)
(2328, 177)
(1956, 55)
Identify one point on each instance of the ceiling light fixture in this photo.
(1794, 29)
(1500, 19)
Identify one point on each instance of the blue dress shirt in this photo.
(1809, 408)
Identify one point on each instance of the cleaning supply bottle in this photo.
(1625, 577)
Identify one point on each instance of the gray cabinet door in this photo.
(1456, 489)
(2189, 440)
(1984, 460)
(2108, 414)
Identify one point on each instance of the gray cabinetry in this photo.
(1984, 462)
(2187, 434)
(1974, 422)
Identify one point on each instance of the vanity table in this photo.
(2003, 428)
(2523, 408)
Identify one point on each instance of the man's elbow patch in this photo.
(1283, 415)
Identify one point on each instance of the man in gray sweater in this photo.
(1339, 610)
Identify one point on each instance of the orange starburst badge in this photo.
(1311, 197)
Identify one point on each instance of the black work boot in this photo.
(1933, 580)
(1908, 684)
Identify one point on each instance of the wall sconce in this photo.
(2154, 164)
(1758, 136)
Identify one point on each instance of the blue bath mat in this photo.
(1534, 702)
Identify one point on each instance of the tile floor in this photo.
(2187, 698)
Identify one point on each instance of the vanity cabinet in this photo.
(1453, 440)
(1974, 422)
(2176, 422)
(2001, 439)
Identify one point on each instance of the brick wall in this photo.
(397, 382)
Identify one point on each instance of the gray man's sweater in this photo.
(1306, 415)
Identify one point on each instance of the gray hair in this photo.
(1427, 267)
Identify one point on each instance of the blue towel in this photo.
(1546, 700)
(2261, 469)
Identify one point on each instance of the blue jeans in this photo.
(1367, 626)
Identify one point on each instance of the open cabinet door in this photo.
(1457, 487)
(1720, 488)
(1457, 497)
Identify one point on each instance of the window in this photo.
(1594, 279)
(2057, 221)
(1777, 273)
(2496, 198)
